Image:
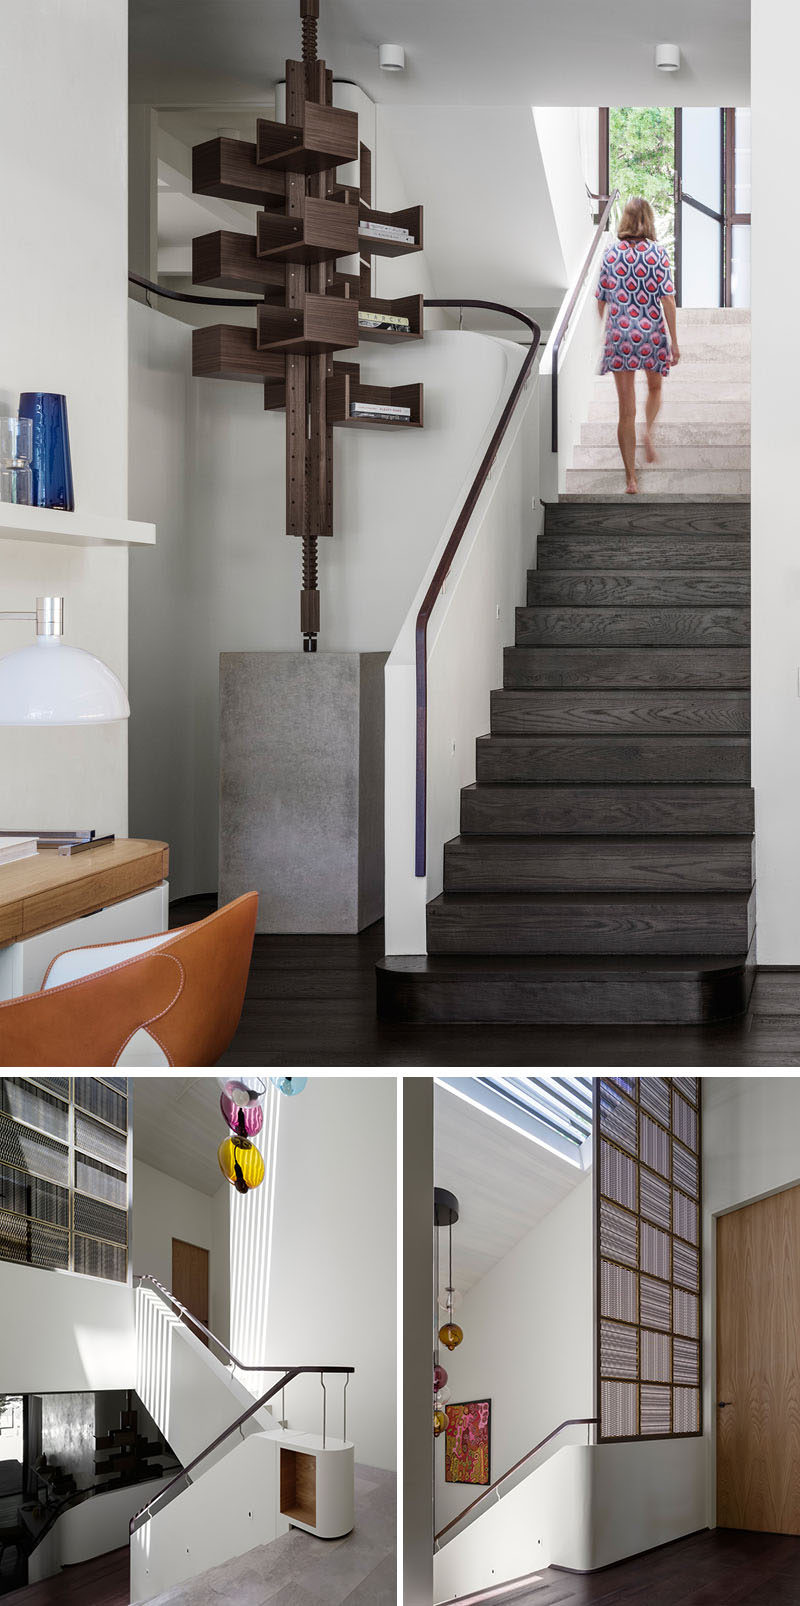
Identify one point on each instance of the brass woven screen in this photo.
(649, 1267)
(64, 1173)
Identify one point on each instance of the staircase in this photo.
(703, 431)
(604, 870)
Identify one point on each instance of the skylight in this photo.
(555, 1111)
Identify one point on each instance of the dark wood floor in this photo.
(311, 1001)
(722, 1568)
(102, 1582)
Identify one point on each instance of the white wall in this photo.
(208, 464)
(528, 1343)
(90, 1529)
(87, 1341)
(313, 1258)
(163, 1209)
(63, 290)
(561, 132)
(775, 560)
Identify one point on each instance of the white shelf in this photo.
(71, 529)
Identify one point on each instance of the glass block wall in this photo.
(647, 1222)
(65, 1167)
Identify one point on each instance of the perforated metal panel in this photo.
(649, 1300)
(64, 1174)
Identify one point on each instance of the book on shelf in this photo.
(379, 410)
(384, 320)
(386, 231)
(16, 847)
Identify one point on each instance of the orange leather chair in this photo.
(171, 999)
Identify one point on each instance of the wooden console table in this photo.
(50, 902)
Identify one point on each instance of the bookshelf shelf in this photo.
(228, 169)
(345, 388)
(409, 307)
(322, 324)
(228, 261)
(229, 351)
(323, 231)
(409, 218)
(327, 137)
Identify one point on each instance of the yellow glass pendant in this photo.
(241, 1163)
(439, 1423)
(451, 1335)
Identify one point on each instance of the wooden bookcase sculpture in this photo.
(309, 310)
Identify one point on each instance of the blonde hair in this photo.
(637, 221)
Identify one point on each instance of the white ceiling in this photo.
(459, 52)
(504, 1183)
(177, 1128)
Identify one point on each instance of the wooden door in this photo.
(190, 1279)
(758, 1366)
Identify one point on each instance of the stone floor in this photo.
(298, 1570)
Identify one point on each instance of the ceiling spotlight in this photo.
(392, 58)
(668, 58)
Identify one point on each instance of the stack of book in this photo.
(386, 231)
(380, 411)
(394, 322)
(16, 847)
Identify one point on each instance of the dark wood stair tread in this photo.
(518, 712)
(632, 627)
(597, 550)
(586, 810)
(591, 922)
(638, 588)
(709, 759)
(526, 990)
(626, 668)
(647, 518)
(622, 863)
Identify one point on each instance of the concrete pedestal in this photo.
(301, 787)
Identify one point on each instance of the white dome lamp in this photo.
(668, 58)
(50, 683)
(392, 58)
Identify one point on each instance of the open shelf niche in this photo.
(345, 389)
(298, 1486)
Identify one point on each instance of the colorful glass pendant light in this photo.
(243, 1090)
(241, 1163)
(439, 1423)
(445, 1214)
(290, 1085)
(439, 1376)
(244, 1119)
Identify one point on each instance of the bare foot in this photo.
(632, 489)
(649, 449)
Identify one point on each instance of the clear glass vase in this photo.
(16, 447)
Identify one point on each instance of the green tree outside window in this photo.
(641, 149)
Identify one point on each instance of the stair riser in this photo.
(591, 864)
(669, 457)
(663, 588)
(706, 378)
(636, 518)
(632, 627)
(607, 810)
(665, 668)
(619, 713)
(641, 552)
(714, 924)
(513, 999)
(715, 760)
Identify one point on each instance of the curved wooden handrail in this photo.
(446, 560)
(557, 338)
(571, 1422)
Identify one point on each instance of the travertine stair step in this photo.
(617, 713)
(700, 409)
(575, 864)
(661, 481)
(693, 455)
(591, 923)
(632, 627)
(661, 668)
(712, 759)
(638, 588)
(712, 378)
(587, 810)
(681, 432)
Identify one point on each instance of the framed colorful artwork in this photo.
(468, 1442)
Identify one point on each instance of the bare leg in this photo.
(626, 429)
(651, 412)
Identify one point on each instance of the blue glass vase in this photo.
(51, 463)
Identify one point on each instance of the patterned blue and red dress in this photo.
(634, 276)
